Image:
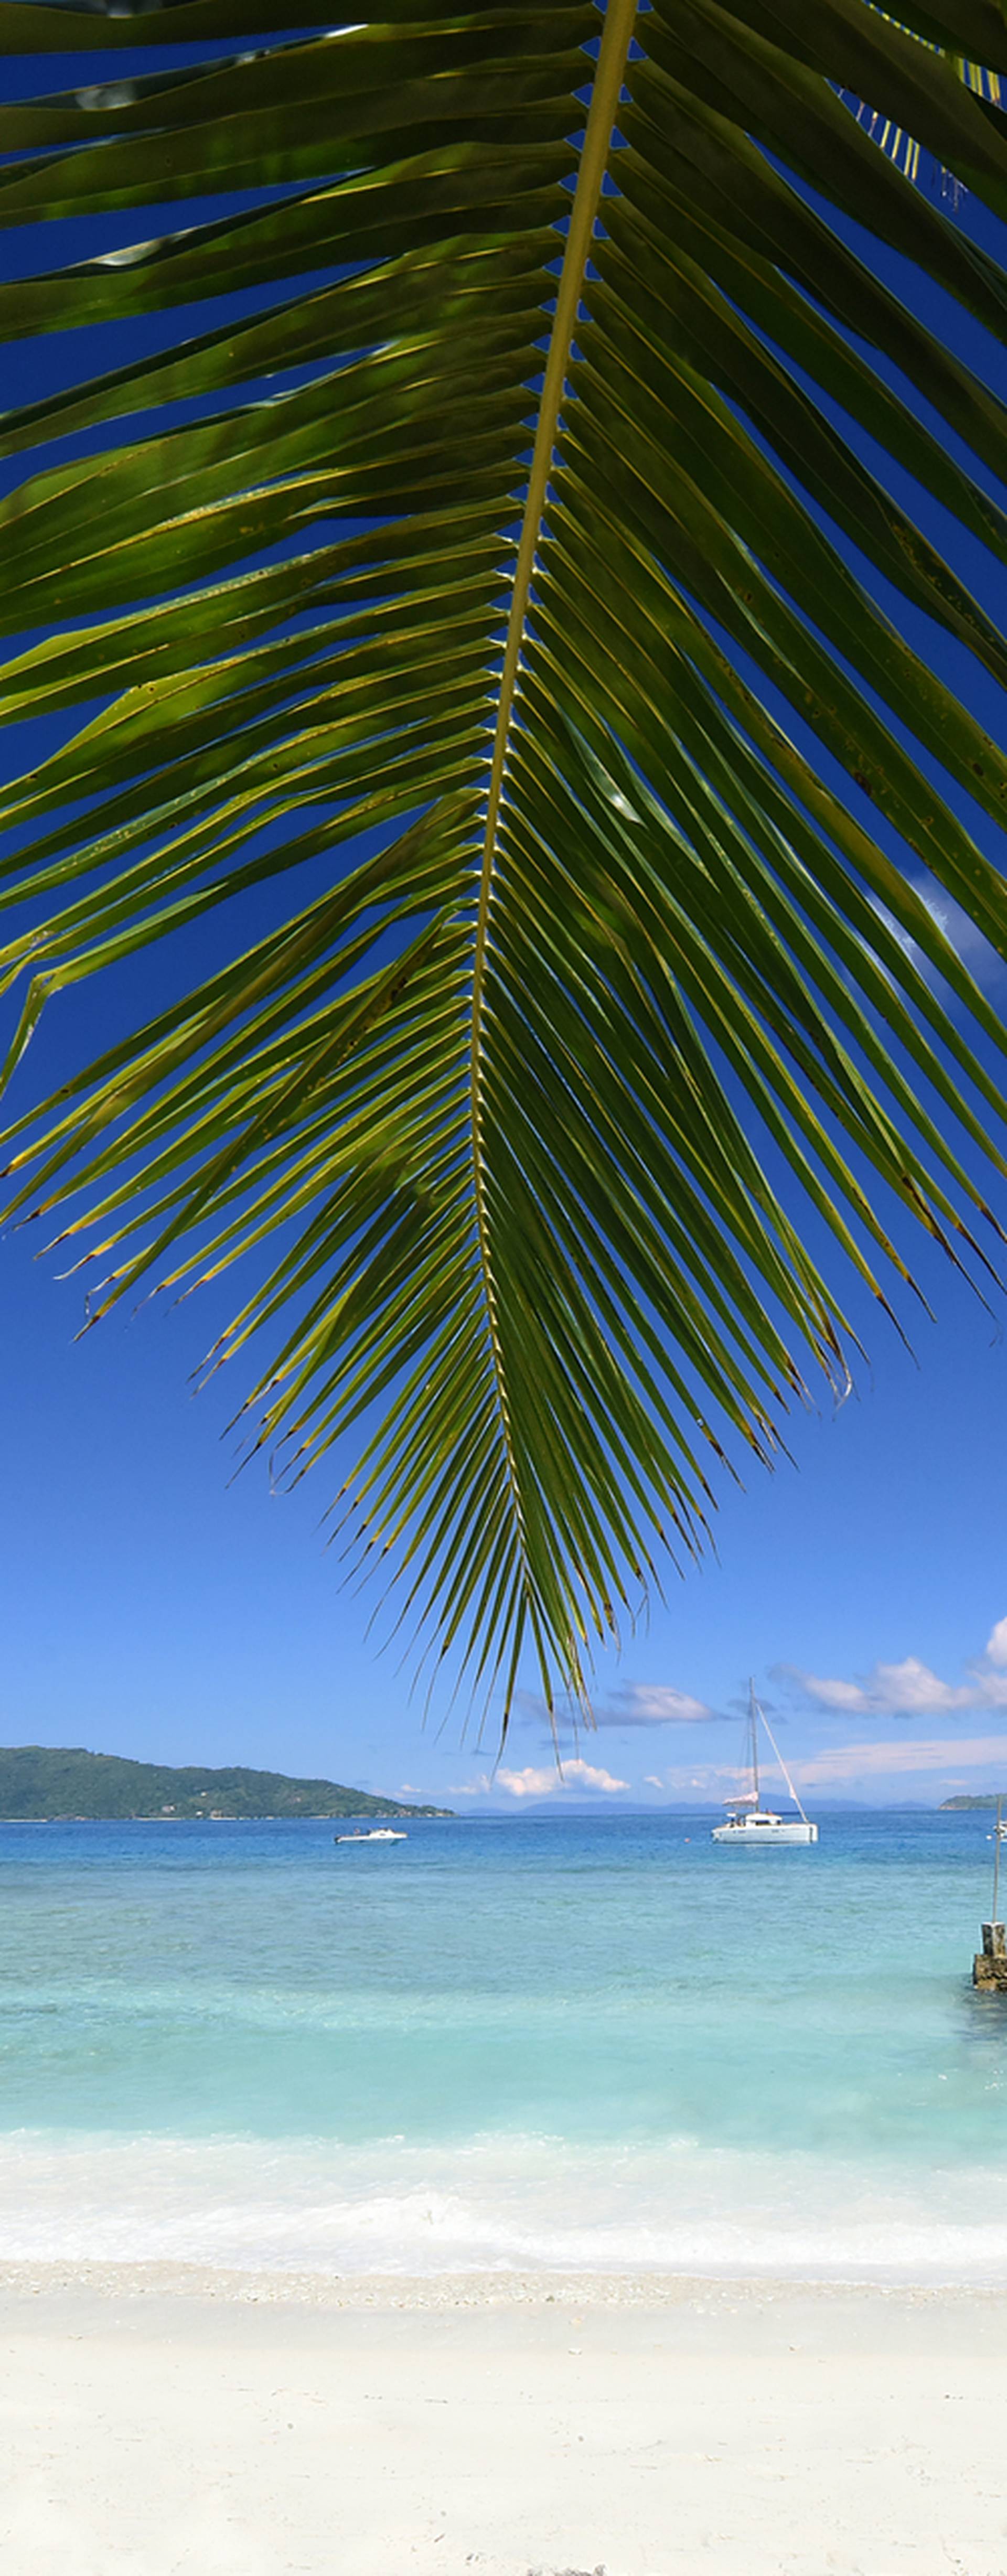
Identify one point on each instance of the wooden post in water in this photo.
(989, 1967)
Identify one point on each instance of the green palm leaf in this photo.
(534, 563)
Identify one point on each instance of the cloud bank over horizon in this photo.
(893, 1759)
(908, 1688)
(839, 1764)
(934, 1762)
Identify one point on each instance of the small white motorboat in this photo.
(378, 1834)
(749, 1826)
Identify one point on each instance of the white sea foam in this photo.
(563, 2046)
(496, 2204)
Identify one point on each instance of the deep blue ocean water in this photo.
(574, 2042)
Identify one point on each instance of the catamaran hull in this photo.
(752, 1837)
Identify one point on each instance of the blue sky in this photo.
(153, 1607)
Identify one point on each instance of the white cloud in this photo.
(634, 1704)
(831, 1694)
(654, 1704)
(540, 1781)
(705, 1780)
(955, 925)
(962, 933)
(593, 1776)
(651, 1780)
(846, 1762)
(996, 1643)
(910, 1689)
(532, 1782)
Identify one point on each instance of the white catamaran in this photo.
(749, 1824)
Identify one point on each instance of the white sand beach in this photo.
(160, 2421)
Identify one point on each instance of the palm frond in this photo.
(558, 561)
(903, 148)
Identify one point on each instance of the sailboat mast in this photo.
(754, 1724)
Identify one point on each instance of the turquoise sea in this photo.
(556, 2042)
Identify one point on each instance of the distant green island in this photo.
(38, 1785)
(990, 1801)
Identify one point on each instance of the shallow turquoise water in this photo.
(571, 2042)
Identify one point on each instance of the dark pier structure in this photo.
(989, 1967)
